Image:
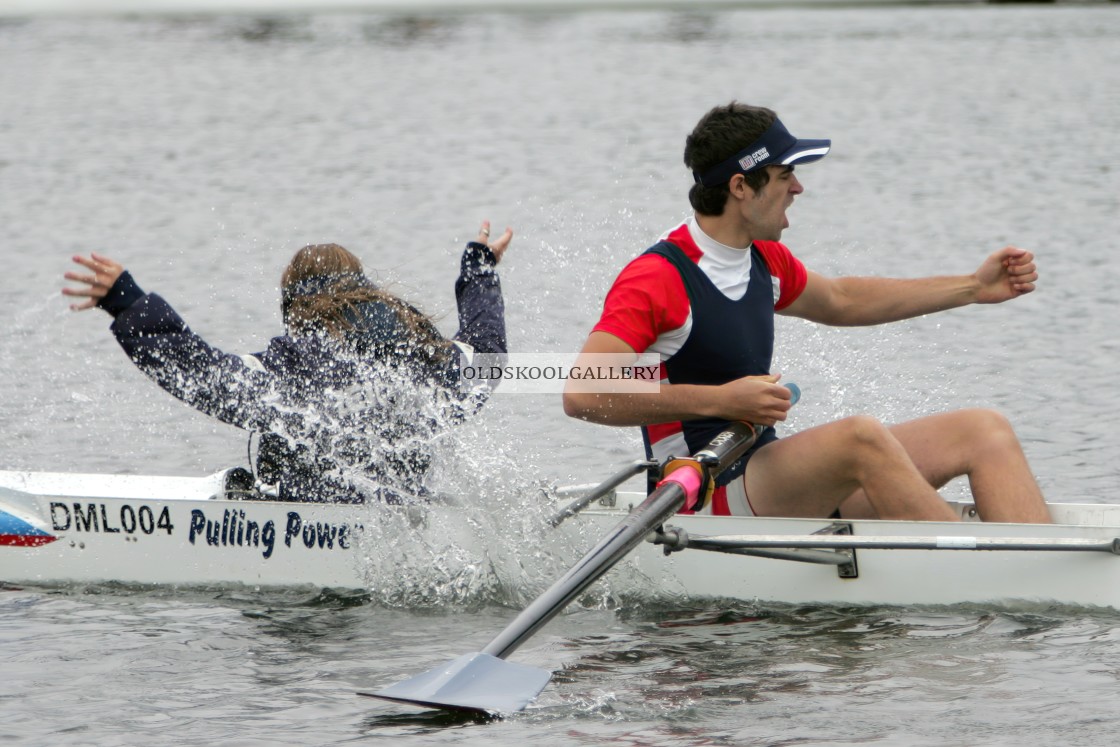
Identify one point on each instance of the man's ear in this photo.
(739, 188)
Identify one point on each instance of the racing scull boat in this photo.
(67, 528)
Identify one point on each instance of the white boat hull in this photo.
(64, 529)
(168, 531)
(896, 576)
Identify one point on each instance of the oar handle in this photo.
(728, 446)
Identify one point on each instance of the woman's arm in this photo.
(478, 293)
(161, 345)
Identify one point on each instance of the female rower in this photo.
(350, 400)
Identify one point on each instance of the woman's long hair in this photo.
(323, 288)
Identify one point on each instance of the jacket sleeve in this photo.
(478, 294)
(161, 345)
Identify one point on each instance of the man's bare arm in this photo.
(754, 399)
(857, 301)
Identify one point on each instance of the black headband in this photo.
(317, 285)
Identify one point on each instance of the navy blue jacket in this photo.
(339, 421)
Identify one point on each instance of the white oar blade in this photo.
(477, 682)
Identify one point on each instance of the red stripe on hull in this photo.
(23, 540)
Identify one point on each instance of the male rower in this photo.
(704, 298)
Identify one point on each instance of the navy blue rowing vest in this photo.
(729, 340)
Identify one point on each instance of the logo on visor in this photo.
(754, 158)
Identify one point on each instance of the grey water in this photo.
(203, 150)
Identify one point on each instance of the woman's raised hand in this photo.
(499, 245)
(103, 272)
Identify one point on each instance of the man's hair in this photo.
(719, 135)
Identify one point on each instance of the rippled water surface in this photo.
(110, 667)
(203, 150)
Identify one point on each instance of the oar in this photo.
(484, 682)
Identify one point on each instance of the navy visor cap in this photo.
(775, 147)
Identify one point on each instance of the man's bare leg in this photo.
(812, 472)
(979, 444)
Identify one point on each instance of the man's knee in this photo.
(865, 435)
(989, 428)
(986, 419)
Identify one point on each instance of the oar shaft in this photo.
(662, 503)
(659, 506)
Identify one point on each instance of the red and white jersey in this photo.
(649, 309)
